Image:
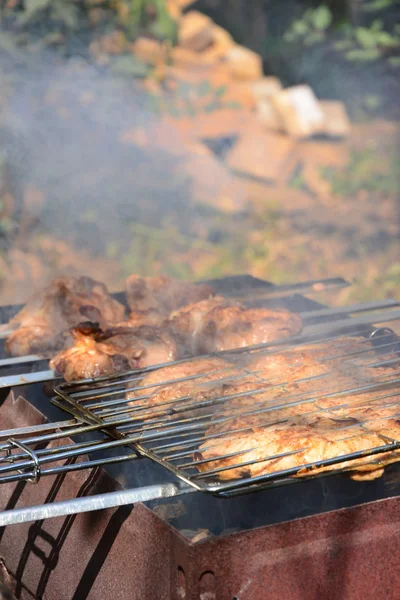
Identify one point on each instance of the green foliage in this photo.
(368, 172)
(367, 44)
(376, 5)
(358, 44)
(311, 28)
(151, 16)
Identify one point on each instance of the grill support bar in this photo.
(91, 503)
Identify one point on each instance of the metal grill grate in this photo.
(184, 432)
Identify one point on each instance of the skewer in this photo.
(16, 380)
(19, 360)
(348, 310)
(276, 291)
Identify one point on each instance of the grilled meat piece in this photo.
(221, 324)
(260, 382)
(318, 400)
(40, 327)
(98, 353)
(305, 440)
(179, 387)
(151, 299)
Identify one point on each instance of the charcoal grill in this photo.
(66, 458)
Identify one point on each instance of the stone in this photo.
(220, 123)
(243, 64)
(210, 181)
(240, 95)
(265, 87)
(325, 153)
(312, 176)
(185, 3)
(187, 59)
(300, 111)
(222, 42)
(337, 122)
(148, 50)
(262, 155)
(213, 74)
(115, 43)
(174, 9)
(195, 31)
(268, 116)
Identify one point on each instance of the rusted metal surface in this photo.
(120, 553)
(349, 554)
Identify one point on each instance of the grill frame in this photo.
(68, 399)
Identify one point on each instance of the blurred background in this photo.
(200, 139)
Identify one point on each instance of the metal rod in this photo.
(316, 285)
(16, 380)
(349, 310)
(91, 503)
(21, 360)
(42, 428)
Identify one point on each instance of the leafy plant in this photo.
(311, 28)
(376, 5)
(368, 44)
(366, 171)
(151, 16)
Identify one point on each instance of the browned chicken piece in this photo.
(180, 386)
(332, 419)
(151, 299)
(294, 379)
(289, 377)
(98, 353)
(306, 386)
(41, 326)
(220, 324)
(308, 439)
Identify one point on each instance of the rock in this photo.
(325, 153)
(215, 75)
(265, 156)
(265, 87)
(148, 50)
(300, 111)
(209, 180)
(187, 59)
(337, 122)
(240, 95)
(268, 115)
(243, 64)
(115, 43)
(185, 3)
(219, 123)
(175, 9)
(195, 31)
(222, 42)
(315, 182)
